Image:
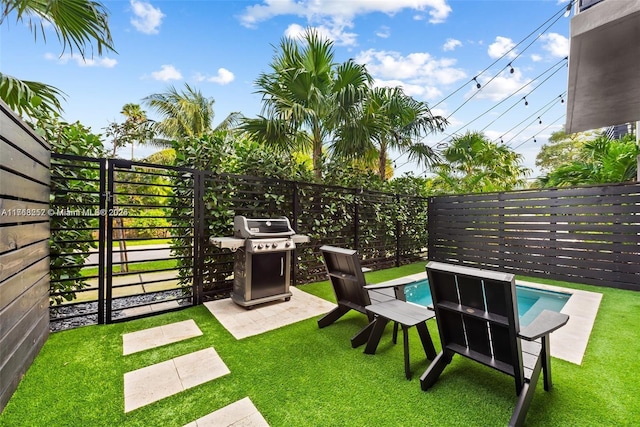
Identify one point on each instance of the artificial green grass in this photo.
(150, 266)
(300, 375)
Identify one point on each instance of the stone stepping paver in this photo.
(242, 413)
(242, 323)
(161, 335)
(155, 382)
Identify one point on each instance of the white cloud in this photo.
(451, 44)
(335, 33)
(414, 90)
(501, 46)
(82, 62)
(536, 58)
(383, 32)
(500, 87)
(416, 66)
(556, 44)
(167, 73)
(337, 15)
(419, 74)
(223, 77)
(147, 18)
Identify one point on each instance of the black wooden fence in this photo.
(587, 235)
(24, 248)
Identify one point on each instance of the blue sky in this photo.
(433, 48)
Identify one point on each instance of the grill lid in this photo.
(248, 228)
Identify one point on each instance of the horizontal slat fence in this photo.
(24, 249)
(585, 234)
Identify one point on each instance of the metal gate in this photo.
(112, 223)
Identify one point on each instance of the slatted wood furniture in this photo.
(404, 314)
(477, 315)
(352, 292)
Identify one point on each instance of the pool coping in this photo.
(569, 342)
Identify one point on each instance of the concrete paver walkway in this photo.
(161, 335)
(239, 414)
(242, 323)
(155, 382)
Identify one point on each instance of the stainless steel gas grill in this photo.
(262, 263)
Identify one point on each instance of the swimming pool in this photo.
(531, 301)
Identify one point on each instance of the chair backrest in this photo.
(345, 272)
(477, 315)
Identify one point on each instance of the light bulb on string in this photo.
(534, 139)
(526, 103)
(567, 12)
(561, 99)
(478, 85)
(511, 70)
(539, 120)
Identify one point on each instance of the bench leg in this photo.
(405, 337)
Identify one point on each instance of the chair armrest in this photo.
(546, 322)
(396, 283)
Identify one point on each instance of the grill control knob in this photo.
(287, 244)
(260, 246)
(275, 245)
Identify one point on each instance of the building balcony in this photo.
(604, 65)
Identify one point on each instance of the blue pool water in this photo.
(530, 301)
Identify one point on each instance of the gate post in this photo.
(199, 236)
(102, 223)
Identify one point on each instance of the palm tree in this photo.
(391, 119)
(602, 161)
(79, 24)
(141, 126)
(186, 114)
(472, 163)
(306, 97)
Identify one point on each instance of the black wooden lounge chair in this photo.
(352, 292)
(477, 315)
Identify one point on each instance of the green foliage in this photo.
(28, 97)
(71, 236)
(561, 149)
(135, 129)
(389, 119)
(307, 96)
(601, 161)
(473, 164)
(227, 155)
(186, 114)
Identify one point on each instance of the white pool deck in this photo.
(569, 342)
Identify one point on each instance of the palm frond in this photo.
(78, 23)
(28, 97)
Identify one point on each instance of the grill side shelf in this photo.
(231, 243)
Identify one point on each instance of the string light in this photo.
(561, 99)
(526, 103)
(511, 70)
(478, 85)
(534, 139)
(567, 12)
(539, 120)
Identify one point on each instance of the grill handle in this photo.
(281, 266)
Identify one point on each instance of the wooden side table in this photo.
(407, 315)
